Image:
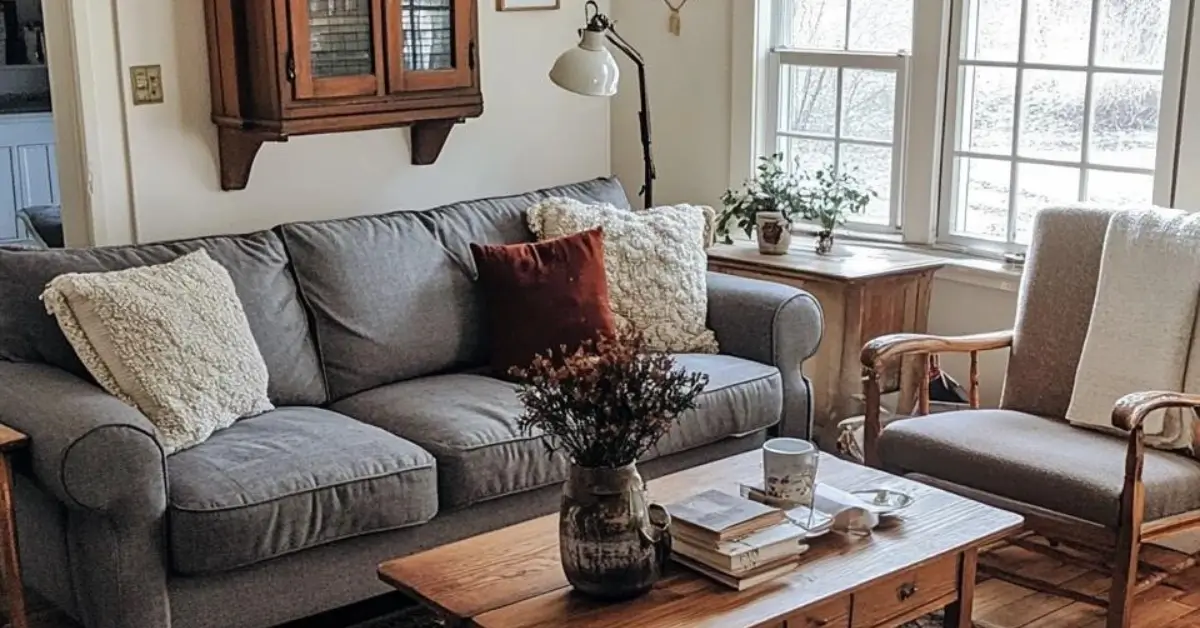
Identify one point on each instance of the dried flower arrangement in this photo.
(607, 403)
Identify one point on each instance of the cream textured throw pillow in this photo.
(171, 340)
(656, 266)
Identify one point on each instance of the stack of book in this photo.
(735, 541)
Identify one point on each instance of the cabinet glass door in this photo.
(432, 44)
(335, 48)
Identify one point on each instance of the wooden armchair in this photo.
(1089, 499)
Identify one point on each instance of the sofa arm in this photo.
(773, 324)
(89, 449)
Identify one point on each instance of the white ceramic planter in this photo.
(774, 233)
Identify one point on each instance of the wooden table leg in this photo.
(958, 614)
(14, 592)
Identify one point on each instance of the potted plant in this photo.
(768, 202)
(604, 406)
(828, 198)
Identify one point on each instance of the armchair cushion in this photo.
(1038, 461)
(288, 480)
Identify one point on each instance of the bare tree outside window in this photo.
(1070, 116)
(841, 111)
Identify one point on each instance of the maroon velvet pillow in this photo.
(542, 296)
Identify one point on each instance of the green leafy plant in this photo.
(773, 189)
(828, 198)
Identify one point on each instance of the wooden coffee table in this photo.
(511, 578)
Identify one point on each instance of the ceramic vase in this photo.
(774, 233)
(614, 543)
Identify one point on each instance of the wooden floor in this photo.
(1000, 604)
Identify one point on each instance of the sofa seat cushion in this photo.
(288, 480)
(741, 398)
(1038, 461)
(469, 423)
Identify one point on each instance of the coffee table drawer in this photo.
(831, 614)
(905, 593)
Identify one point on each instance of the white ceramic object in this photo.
(774, 233)
(790, 470)
(884, 502)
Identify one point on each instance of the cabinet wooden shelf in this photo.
(301, 67)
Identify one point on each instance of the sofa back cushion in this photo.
(256, 262)
(393, 296)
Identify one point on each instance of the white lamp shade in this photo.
(588, 68)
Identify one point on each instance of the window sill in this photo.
(963, 268)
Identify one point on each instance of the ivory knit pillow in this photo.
(656, 266)
(170, 339)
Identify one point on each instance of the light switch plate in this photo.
(147, 84)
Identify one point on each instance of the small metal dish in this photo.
(884, 501)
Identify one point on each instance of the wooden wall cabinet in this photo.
(298, 67)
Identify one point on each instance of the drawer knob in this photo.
(906, 591)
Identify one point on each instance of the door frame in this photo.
(89, 100)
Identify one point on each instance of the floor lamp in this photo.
(591, 70)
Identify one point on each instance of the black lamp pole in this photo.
(598, 22)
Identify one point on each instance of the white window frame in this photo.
(951, 147)
(898, 63)
(928, 127)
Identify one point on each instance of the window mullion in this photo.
(1089, 101)
(837, 122)
(1018, 101)
(929, 122)
(849, 12)
(1171, 138)
(900, 139)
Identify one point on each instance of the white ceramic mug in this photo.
(790, 469)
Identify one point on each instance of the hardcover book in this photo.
(739, 555)
(745, 581)
(717, 516)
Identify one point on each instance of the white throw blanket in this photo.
(1142, 334)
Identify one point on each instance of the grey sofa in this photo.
(387, 439)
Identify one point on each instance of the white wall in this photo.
(958, 308)
(531, 133)
(691, 92)
(690, 95)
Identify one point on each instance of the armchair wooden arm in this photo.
(885, 348)
(1132, 410)
(879, 351)
(1129, 414)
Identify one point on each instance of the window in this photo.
(1057, 102)
(1046, 102)
(842, 76)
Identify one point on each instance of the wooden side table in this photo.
(14, 593)
(865, 292)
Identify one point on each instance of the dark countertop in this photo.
(24, 103)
